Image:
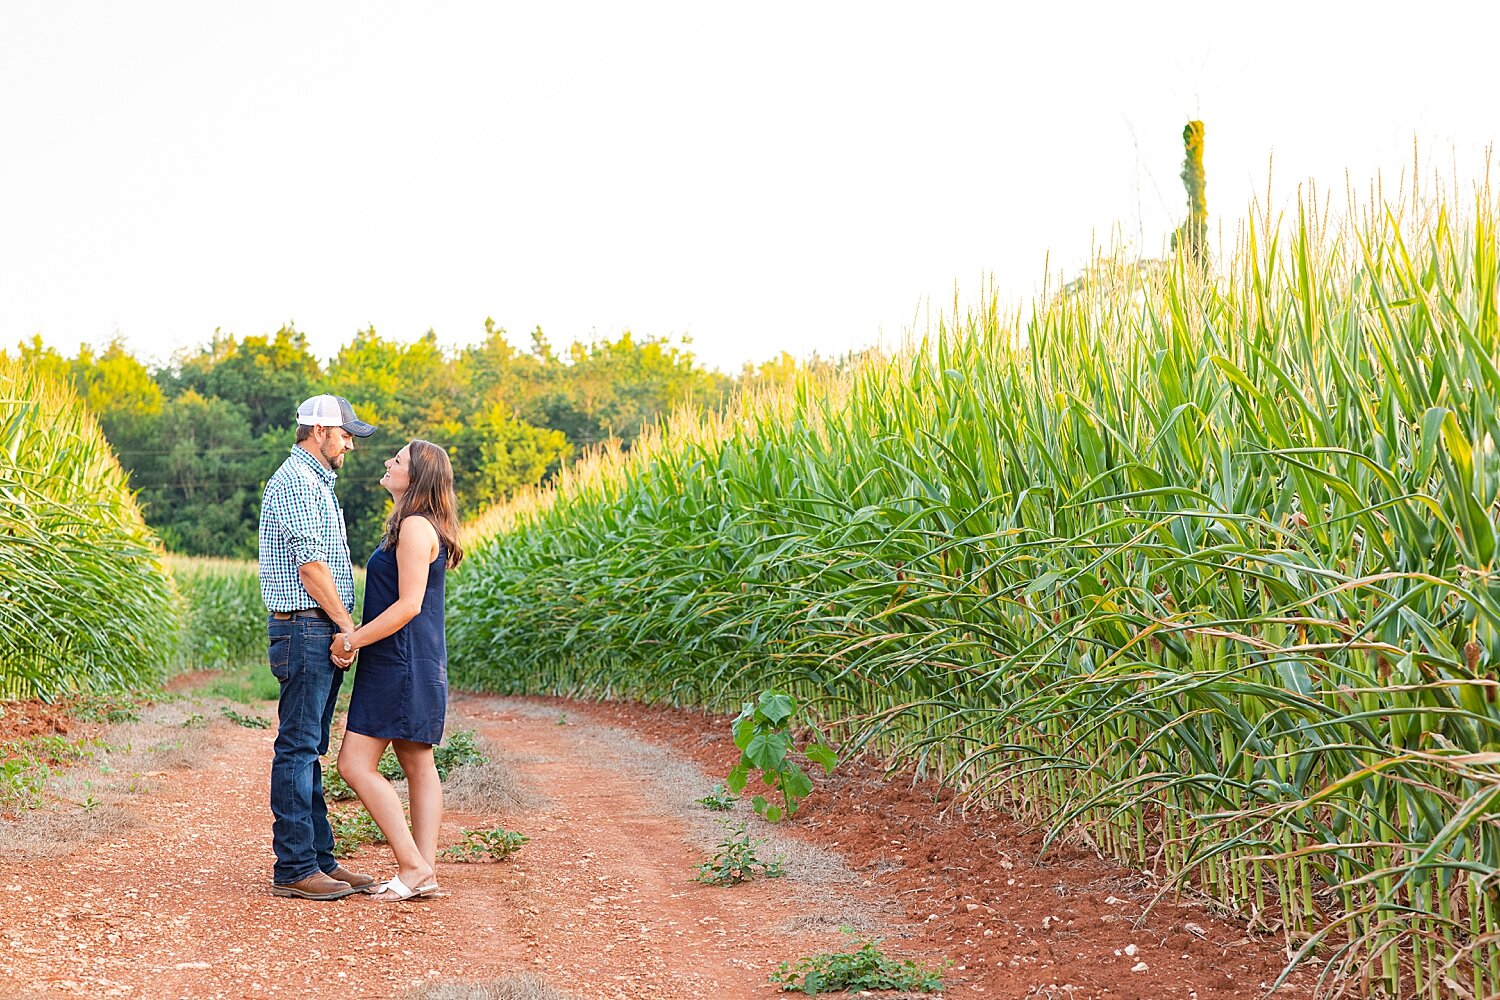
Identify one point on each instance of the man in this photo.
(308, 585)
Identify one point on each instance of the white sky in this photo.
(757, 176)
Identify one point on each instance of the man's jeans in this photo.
(300, 834)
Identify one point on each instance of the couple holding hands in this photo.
(401, 688)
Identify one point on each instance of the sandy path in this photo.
(602, 902)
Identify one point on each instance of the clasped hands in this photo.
(341, 650)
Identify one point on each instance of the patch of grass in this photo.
(487, 788)
(352, 828)
(21, 782)
(521, 986)
(52, 833)
(52, 749)
(866, 968)
(248, 721)
(736, 861)
(101, 708)
(496, 843)
(245, 686)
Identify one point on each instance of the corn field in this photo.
(1201, 565)
(224, 620)
(85, 604)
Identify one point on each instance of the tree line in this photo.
(200, 435)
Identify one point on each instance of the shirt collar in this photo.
(303, 455)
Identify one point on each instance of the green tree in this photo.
(616, 388)
(1192, 235)
(406, 391)
(201, 480)
(268, 376)
(495, 453)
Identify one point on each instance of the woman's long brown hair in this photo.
(429, 492)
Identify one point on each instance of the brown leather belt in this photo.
(282, 616)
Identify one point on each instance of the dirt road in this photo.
(160, 887)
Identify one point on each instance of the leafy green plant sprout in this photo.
(866, 968)
(89, 803)
(763, 734)
(460, 749)
(496, 844)
(352, 828)
(21, 782)
(248, 721)
(98, 708)
(736, 861)
(335, 788)
(718, 800)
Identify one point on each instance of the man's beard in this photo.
(336, 460)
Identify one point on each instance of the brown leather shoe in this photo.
(352, 878)
(317, 886)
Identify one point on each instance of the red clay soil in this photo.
(23, 719)
(976, 890)
(601, 902)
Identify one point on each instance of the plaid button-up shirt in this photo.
(301, 522)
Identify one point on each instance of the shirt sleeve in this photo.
(297, 509)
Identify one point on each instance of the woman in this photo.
(401, 689)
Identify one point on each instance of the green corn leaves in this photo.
(1201, 562)
(85, 604)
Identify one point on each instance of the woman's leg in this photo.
(359, 762)
(425, 794)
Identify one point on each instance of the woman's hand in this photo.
(342, 651)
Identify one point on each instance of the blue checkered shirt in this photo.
(301, 522)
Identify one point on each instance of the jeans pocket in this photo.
(281, 657)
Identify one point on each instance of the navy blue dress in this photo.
(401, 686)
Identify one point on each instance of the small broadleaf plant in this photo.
(763, 732)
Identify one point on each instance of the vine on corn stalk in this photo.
(763, 734)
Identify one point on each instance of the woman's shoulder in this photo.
(418, 530)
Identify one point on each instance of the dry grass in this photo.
(522, 986)
(54, 831)
(90, 799)
(835, 918)
(490, 787)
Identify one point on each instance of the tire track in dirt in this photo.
(602, 902)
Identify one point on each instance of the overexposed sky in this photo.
(757, 177)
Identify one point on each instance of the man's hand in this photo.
(340, 650)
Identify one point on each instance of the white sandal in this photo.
(403, 891)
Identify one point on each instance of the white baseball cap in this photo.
(332, 411)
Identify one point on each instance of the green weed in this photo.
(21, 782)
(718, 800)
(100, 708)
(335, 788)
(763, 732)
(352, 828)
(496, 844)
(736, 861)
(866, 968)
(458, 750)
(248, 721)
